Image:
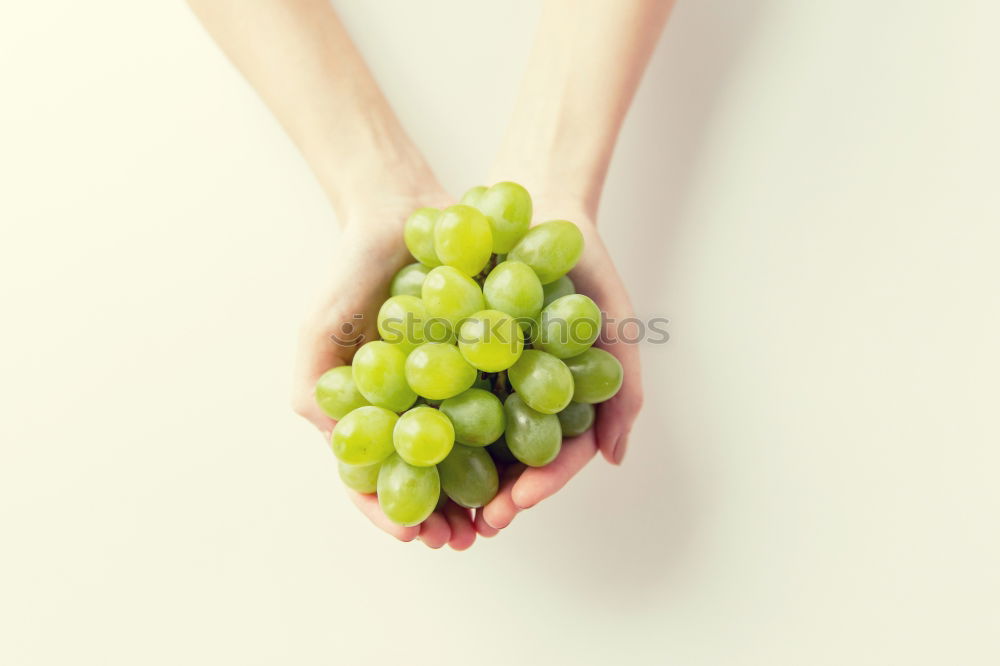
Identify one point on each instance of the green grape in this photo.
(569, 326)
(597, 375)
(551, 249)
(408, 280)
(364, 437)
(553, 290)
(472, 195)
(469, 476)
(477, 416)
(462, 239)
(362, 478)
(508, 208)
(543, 381)
(406, 493)
(512, 287)
(532, 437)
(500, 452)
(423, 436)
(576, 419)
(451, 296)
(401, 321)
(490, 340)
(379, 372)
(418, 234)
(437, 371)
(336, 393)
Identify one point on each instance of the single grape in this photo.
(423, 436)
(532, 437)
(406, 493)
(576, 419)
(543, 381)
(364, 437)
(553, 290)
(450, 296)
(469, 476)
(462, 239)
(408, 280)
(569, 326)
(336, 393)
(508, 208)
(472, 195)
(437, 371)
(512, 287)
(597, 375)
(379, 372)
(401, 321)
(362, 478)
(490, 340)
(500, 452)
(418, 235)
(551, 249)
(477, 416)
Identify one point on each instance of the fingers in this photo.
(538, 483)
(501, 510)
(454, 526)
(326, 341)
(368, 504)
(435, 531)
(463, 534)
(315, 415)
(316, 355)
(616, 416)
(482, 527)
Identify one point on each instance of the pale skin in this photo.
(580, 80)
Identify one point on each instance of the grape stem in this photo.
(500, 385)
(490, 265)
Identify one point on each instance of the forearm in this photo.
(302, 62)
(582, 74)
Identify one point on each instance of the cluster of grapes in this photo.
(485, 358)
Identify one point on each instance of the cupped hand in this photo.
(595, 276)
(368, 255)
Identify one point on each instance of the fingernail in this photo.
(619, 453)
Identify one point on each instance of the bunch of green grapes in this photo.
(485, 359)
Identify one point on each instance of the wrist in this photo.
(381, 201)
(555, 193)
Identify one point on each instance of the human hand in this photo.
(595, 276)
(368, 255)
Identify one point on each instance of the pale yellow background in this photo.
(808, 190)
